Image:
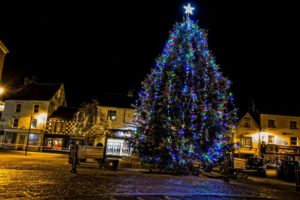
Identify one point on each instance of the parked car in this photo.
(256, 166)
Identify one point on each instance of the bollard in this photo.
(74, 156)
(297, 174)
(226, 168)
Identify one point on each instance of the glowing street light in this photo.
(2, 90)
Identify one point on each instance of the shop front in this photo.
(117, 145)
(54, 142)
(275, 154)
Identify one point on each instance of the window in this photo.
(293, 140)
(52, 127)
(33, 123)
(247, 123)
(10, 138)
(117, 147)
(112, 115)
(18, 108)
(271, 123)
(58, 127)
(36, 108)
(33, 139)
(247, 142)
(15, 122)
(63, 127)
(293, 124)
(271, 139)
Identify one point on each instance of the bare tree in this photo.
(89, 122)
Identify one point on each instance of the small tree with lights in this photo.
(185, 108)
(89, 122)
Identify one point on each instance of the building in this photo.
(3, 52)
(274, 137)
(26, 113)
(58, 134)
(118, 110)
(117, 116)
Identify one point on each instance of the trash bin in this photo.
(112, 164)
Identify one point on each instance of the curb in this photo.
(212, 175)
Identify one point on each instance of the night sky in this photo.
(97, 47)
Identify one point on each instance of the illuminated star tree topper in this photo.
(188, 9)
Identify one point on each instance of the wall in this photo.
(124, 116)
(26, 112)
(252, 131)
(282, 131)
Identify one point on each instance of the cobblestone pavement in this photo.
(47, 176)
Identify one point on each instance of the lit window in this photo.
(52, 127)
(58, 127)
(18, 108)
(293, 140)
(63, 127)
(15, 122)
(33, 139)
(112, 115)
(36, 108)
(117, 147)
(271, 139)
(33, 123)
(271, 123)
(247, 142)
(293, 125)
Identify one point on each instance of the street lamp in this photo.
(40, 123)
(2, 90)
(29, 129)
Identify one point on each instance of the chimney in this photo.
(130, 93)
(31, 80)
(252, 106)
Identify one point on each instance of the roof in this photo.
(253, 115)
(117, 100)
(64, 113)
(36, 91)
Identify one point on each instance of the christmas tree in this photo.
(185, 108)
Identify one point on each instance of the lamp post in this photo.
(26, 149)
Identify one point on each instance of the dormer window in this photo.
(271, 123)
(293, 124)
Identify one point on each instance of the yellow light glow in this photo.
(41, 118)
(2, 90)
